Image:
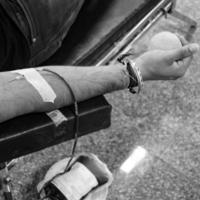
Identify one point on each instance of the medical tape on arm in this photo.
(39, 83)
(45, 91)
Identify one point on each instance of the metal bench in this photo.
(99, 35)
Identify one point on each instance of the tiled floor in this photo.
(164, 120)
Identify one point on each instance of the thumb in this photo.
(183, 52)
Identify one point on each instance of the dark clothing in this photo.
(41, 24)
(14, 51)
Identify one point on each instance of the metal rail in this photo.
(137, 31)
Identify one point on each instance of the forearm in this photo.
(87, 82)
(19, 97)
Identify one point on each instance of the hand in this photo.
(167, 64)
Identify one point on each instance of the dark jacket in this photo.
(43, 23)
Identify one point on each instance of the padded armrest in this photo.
(33, 132)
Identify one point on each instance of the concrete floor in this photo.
(163, 119)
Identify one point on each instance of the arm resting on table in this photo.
(18, 97)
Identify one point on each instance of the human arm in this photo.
(18, 97)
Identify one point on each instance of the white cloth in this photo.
(95, 193)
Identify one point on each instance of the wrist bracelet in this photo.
(134, 73)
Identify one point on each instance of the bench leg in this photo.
(5, 184)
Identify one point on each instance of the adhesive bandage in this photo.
(39, 83)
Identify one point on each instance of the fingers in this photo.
(183, 65)
(184, 52)
(182, 39)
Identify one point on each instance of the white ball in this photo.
(164, 41)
